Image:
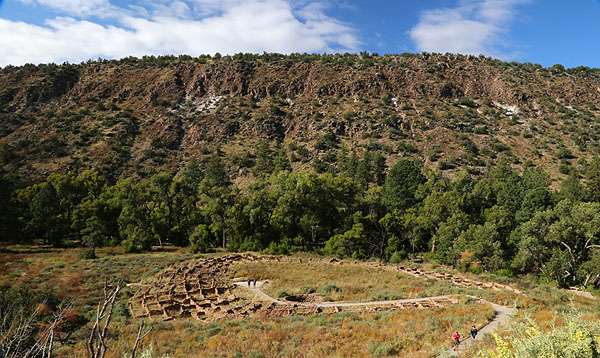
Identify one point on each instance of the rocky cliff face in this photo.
(134, 117)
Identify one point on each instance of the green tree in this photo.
(509, 192)
(407, 231)
(351, 165)
(311, 206)
(379, 168)
(364, 169)
(173, 213)
(264, 159)
(45, 218)
(215, 201)
(51, 206)
(487, 242)
(135, 218)
(533, 250)
(97, 218)
(10, 227)
(351, 243)
(401, 184)
(201, 239)
(216, 172)
(593, 179)
(446, 235)
(535, 200)
(281, 161)
(572, 189)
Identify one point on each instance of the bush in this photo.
(444, 165)
(286, 246)
(564, 153)
(398, 256)
(503, 273)
(564, 168)
(465, 101)
(383, 349)
(305, 290)
(577, 338)
(89, 254)
(480, 130)
(327, 289)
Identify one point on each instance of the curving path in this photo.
(503, 313)
(266, 297)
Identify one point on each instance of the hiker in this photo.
(249, 282)
(456, 340)
(255, 283)
(473, 331)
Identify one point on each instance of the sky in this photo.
(538, 31)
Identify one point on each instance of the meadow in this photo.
(65, 276)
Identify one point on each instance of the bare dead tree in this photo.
(96, 344)
(45, 342)
(17, 337)
(17, 332)
(139, 337)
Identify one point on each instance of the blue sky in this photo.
(539, 31)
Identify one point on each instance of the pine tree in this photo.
(593, 179)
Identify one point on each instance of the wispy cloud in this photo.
(74, 7)
(473, 27)
(172, 27)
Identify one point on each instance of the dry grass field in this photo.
(352, 282)
(407, 333)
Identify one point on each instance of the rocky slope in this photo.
(134, 117)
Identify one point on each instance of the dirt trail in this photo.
(503, 313)
(502, 316)
(268, 298)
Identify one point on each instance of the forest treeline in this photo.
(503, 221)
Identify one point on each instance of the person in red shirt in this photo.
(456, 340)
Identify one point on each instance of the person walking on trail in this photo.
(473, 331)
(456, 340)
(254, 283)
(249, 282)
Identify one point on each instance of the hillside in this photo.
(135, 117)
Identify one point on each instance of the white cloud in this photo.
(474, 27)
(176, 27)
(75, 7)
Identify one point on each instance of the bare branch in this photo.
(139, 337)
(96, 344)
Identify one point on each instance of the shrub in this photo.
(444, 165)
(564, 153)
(480, 130)
(577, 338)
(200, 239)
(564, 168)
(398, 256)
(327, 289)
(465, 101)
(387, 296)
(89, 254)
(383, 349)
